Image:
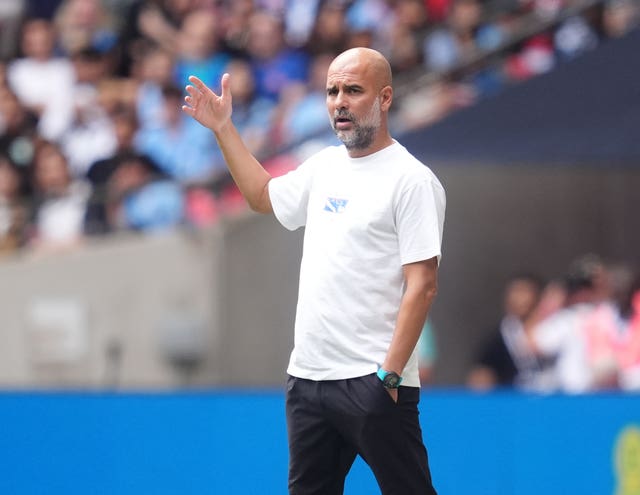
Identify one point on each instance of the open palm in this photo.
(205, 106)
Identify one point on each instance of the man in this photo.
(374, 217)
(577, 337)
(506, 358)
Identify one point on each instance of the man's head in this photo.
(359, 95)
(521, 295)
(587, 280)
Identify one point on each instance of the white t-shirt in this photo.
(561, 336)
(48, 83)
(365, 218)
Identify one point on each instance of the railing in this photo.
(530, 25)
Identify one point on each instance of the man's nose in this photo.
(341, 101)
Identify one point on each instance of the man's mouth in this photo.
(342, 123)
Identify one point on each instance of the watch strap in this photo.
(389, 379)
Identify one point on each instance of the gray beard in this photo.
(359, 138)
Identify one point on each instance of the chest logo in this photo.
(335, 205)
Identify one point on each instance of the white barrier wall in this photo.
(212, 308)
(96, 316)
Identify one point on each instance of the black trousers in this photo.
(330, 422)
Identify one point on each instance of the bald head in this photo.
(372, 64)
(359, 95)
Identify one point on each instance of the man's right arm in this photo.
(214, 112)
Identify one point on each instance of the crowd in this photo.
(578, 334)
(92, 139)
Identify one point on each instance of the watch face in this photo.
(392, 380)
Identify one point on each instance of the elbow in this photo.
(261, 203)
(260, 206)
(257, 206)
(425, 293)
(430, 292)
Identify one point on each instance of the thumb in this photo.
(225, 86)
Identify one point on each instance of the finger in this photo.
(189, 101)
(192, 91)
(188, 110)
(199, 84)
(225, 85)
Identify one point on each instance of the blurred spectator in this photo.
(306, 113)
(299, 18)
(430, 103)
(43, 82)
(329, 31)
(275, 66)
(411, 14)
(141, 199)
(91, 135)
(534, 57)
(619, 17)
(198, 53)
(155, 21)
(59, 201)
(13, 213)
(252, 115)
(125, 126)
(406, 34)
(464, 36)
(235, 22)
(370, 19)
(507, 359)
(405, 52)
(577, 336)
(18, 134)
(627, 342)
(454, 42)
(154, 72)
(84, 25)
(182, 148)
(574, 37)
(437, 10)
(10, 13)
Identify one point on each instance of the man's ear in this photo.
(386, 97)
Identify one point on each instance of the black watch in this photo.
(390, 379)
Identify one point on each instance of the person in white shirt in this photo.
(374, 218)
(579, 336)
(43, 82)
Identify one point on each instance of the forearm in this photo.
(414, 309)
(248, 174)
(214, 112)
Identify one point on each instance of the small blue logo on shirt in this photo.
(335, 205)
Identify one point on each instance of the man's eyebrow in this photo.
(333, 87)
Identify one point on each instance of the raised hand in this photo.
(205, 106)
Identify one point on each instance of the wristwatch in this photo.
(390, 379)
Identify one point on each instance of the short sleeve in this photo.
(289, 195)
(420, 221)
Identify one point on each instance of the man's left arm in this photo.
(421, 284)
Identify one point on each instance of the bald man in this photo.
(373, 217)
